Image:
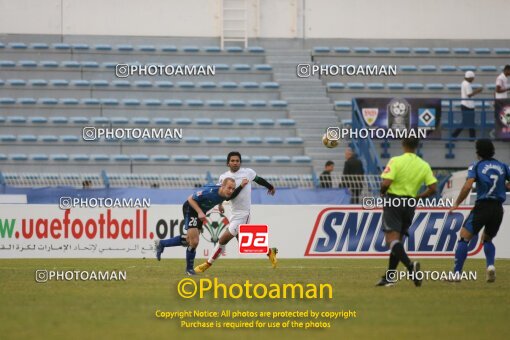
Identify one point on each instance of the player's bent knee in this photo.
(465, 234)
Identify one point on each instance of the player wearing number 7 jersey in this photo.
(240, 207)
(194, 210)
(490, 176)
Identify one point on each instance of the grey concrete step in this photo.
(305, 100)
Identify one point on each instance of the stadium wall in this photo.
(299, 231)
(361, 19)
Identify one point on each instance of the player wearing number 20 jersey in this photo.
(490, 176)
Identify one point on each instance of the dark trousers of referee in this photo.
(468, 120)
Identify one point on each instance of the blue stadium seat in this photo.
(160, 158)
(59, 120)
(109, 101)
(428, 68)
(194, 102)
(355, 86)
(100, 120)
(261, 159)
(224, 121)
(38, 82)
(253, 140)
(143, 83)
(415, 86)
(249, 85)
(215, 103)
(212, 140)
(336, 86)
(281, 159)
(408, 68)
(448, 68)
(381, 50)
(18, 45)
(233, 140)
(49, 63)
(461, 50)
(89, 64)
(70, 64)
(164, 84)
(482, 50)
(39, 157)
(435, 86)
(375, 86)
(16, 82)
(152, 102)
(61, 46)
(48, 138)
(8, 138)
(236, 103)
(402, 50)
(221, 159)
(162, 121)
(186, 84)
(270, 85)
(80, 157)
(273, 140)
(221, 67)
(241, 67)
(201, 158)
(168, 48)
(207, 85)
(465, 68)
(257, 103)
(59, 157)
(362, 50)
(103, 47)
(7, 63)
(301, 159)
(256, 49)
(131, 102)
(27, 101)
(18, 157)
(228, 84)
(7, 101)
(80, 83)
(39, 46)
(453, 86)
(121, 158)
(421, 50)
(147, 48)
(121, 83)
(286, 122)
(343, 103)
(502, 50)
(140, 158)
(203, 121)
(441, 50)
(173, 102)
(182, 121)
(59, 82)
(124, 48)
(263, 67)
(28, 138)
(140, 120)
(278, 103)
(27, 63)
(245, 121)
(265, 122)
(119, 120)
(294, 140)
(69, 139)
(212, 49)
(100, 157)
(192, 140)
(234, 49)
(90, 101)
(321, 49)
(181, 158)
(192, 49)
(80, 47)
(488, 68)
(38, 120)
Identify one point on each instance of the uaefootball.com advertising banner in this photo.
(402, 114)
(309, 231)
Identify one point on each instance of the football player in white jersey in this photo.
(240, 207)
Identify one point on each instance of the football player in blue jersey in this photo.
(490, 176)
(194, 210)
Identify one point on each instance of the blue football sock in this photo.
(190, 257)
(172, 242)
(460, 255)
(490, 252)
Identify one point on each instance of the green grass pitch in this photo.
(126, 309)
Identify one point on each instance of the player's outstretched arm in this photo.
(464, 192)
(264, 183)
(197, 208)
(237, 191)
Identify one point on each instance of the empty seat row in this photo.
(163, 84)
(188, 140)
(413, 50)
(127, 48)
(59, 120)
(21, 157)
(111, 65)
(144, 102)
(449, 68)
(402, 86)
